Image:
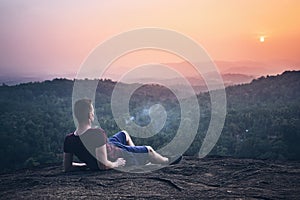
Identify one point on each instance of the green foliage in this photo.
(263, 119)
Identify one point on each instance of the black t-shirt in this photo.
(92, 139)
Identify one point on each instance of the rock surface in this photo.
(211, 177)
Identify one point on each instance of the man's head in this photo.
(84, 111)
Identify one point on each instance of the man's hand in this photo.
(120, 162)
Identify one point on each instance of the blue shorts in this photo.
(134, 155)
(119, 140)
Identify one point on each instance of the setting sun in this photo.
(262, 38)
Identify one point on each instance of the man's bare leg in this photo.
(155, 157)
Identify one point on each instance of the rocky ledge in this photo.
(193, 178)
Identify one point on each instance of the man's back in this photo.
(84, 146)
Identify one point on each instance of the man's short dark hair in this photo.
(82, 108)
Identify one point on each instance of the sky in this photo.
(53, 38)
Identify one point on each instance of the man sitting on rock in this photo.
(92, 147)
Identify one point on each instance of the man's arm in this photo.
(69, 165)
(101, 155)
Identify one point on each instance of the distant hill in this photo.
(9, 80)
(282, 88)
(246, 67)
(198, 83)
